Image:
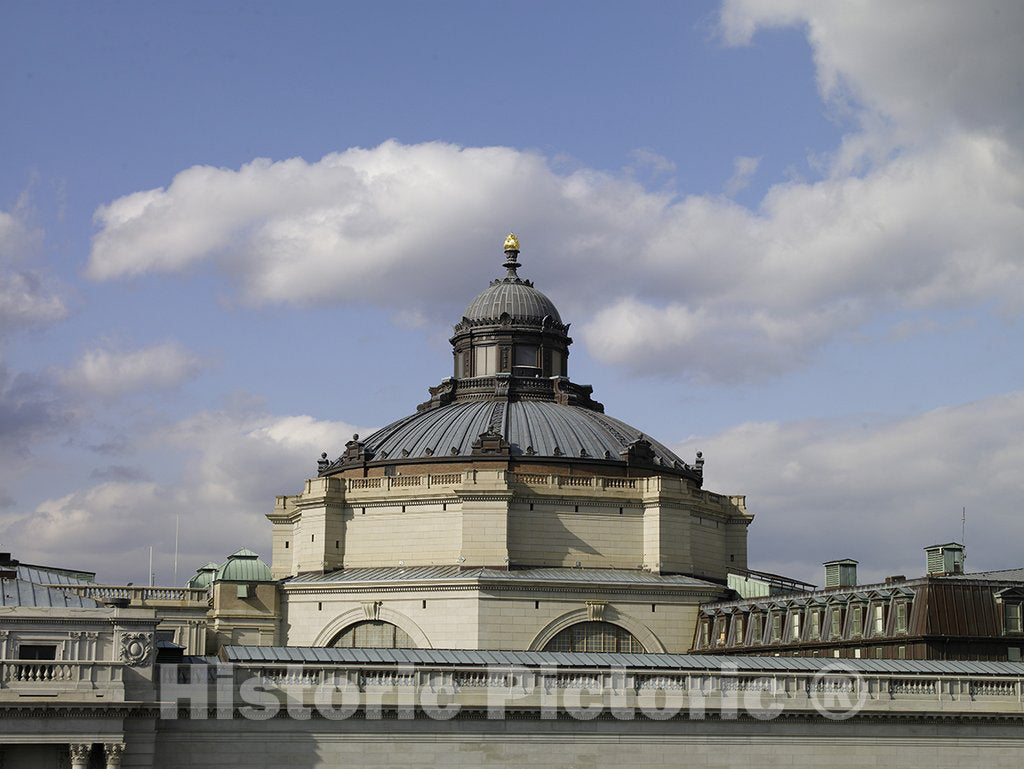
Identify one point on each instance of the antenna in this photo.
(963, 530)
(151, 566)
(176, 520)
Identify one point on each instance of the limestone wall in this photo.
(557, 533)
(481, 617)
(497, 518)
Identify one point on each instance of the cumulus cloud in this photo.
(107, 373)
(232, 465)
(927, 229)
(867, 490)
(902, 218)
(924, 65)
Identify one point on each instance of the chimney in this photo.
(840, 573)
(945, 559)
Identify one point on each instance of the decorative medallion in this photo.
(136, 648)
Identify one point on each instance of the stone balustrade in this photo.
(139, 594)
(862, 694)
(24, 678)
(417, 485)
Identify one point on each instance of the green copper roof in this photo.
(243, 566)
(204, 575)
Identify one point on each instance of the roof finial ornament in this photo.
(512, 256)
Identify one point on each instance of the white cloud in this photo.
(926, 229)
(232, 465)
(926, 65)
(932, 222)
(107, 373)
(743, 170)
(877, 491)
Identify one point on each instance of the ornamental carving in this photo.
(136, 648)
(80, 751)
(595, 610)
(113, 752)
(371, 610)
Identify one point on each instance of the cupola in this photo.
(510, 328)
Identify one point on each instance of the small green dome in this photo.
(243, 566)
(204, 575)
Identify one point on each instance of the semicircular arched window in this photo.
(594, 637)
(373, 634)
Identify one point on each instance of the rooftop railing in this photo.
(23, 677)
(365, 685)
(139, 594)
(416, 484)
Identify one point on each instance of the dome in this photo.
(511, 396)
(531, 428)
(204, 575)
(518, 298)
(511, 295)
(243, 566)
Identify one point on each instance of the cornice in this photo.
(485, 585)
(51, 710)
(106, 621)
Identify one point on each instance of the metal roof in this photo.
(243, 566)
(680, 662)
(553, 574)
(204, 575)
(516, 297)
(21, 592)
(548, 429)
(50, 575)
(1006, 575)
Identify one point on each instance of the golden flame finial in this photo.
(512, 242)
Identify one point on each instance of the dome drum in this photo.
(510, 346)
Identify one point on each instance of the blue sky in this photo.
(787, 234)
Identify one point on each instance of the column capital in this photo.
(113, 752)
(80, 752)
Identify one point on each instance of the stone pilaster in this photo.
(667, 539)
(485, 509)
(320, 526)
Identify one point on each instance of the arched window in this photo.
(594, 637)
(373, 634)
